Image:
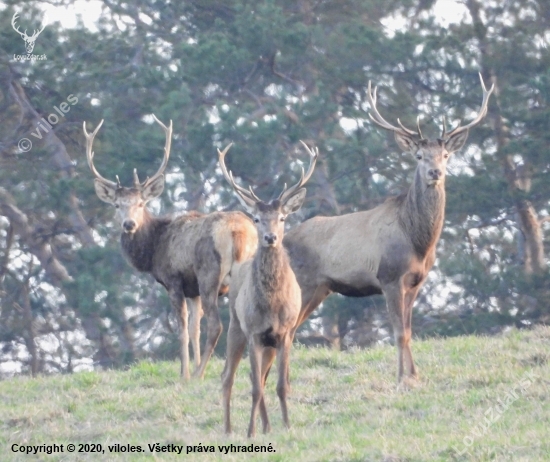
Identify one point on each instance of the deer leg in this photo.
(195, 328)
(283, 384)
(209, 298)
(311, 299)
(410, 297)
(268, 357)
(236, 342)
(255, 353)
(395, 302)
(180, 308)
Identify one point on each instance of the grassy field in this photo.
(478, 398)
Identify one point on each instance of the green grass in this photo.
(344, 406)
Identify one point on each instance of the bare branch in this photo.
(42, 250)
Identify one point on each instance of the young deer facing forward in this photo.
(265, 299)
(191, 255)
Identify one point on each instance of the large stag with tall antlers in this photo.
(388, 249)
(264, 299)
(191, 255)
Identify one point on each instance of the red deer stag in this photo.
(388, 249)
(190, 255)
(264, 299)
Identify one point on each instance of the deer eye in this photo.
(419, 156)
(141, 204)
(117, 206)
(256, 220)
(282, 219)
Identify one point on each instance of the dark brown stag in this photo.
(388, 249)
(191, 255)
(264, 299)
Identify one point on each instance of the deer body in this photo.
(191, 255)
(265, 302)
(388, 249)
(180, 247)
(269, 280)
(400, 241)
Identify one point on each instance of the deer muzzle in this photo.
(270, 239)
(129, 226)
(434, 176)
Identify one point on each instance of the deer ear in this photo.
(294, 202)
(105, 192)
(153, 189)
(406, 143)
(455, 142)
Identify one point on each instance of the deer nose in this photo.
(435, 173)
(129, 225)
(270, 238)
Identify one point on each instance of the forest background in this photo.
(264, 75)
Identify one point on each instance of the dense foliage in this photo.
(265, 75)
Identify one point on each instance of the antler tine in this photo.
(40, 31)
(482, 111)
(418, 127)
(255, 197)
(379, 120)
(90, 154)
(246, 195)
(15, 27)
(160, 171)
(314, 154)
(221, 161)
(408, 130)
(444, 131)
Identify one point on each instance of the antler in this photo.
(248, 196)
(137, 184)
(286, 193)
(160, 171)
(379, 120)
(37, 33)
(480, 116)
(24, 34)
(90, 154)
(16, 28)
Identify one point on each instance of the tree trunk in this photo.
(518, 177)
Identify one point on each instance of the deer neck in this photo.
(140, 247)
(422, 214)
(269, 268)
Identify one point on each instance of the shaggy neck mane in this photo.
(268, 268)
(140, 246)
(421, 214)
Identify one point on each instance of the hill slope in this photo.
(478, 398)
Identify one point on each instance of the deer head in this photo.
(269, 217)
(432, 155)
(129, 202)
(29, 41)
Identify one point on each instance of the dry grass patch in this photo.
(344, 406)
